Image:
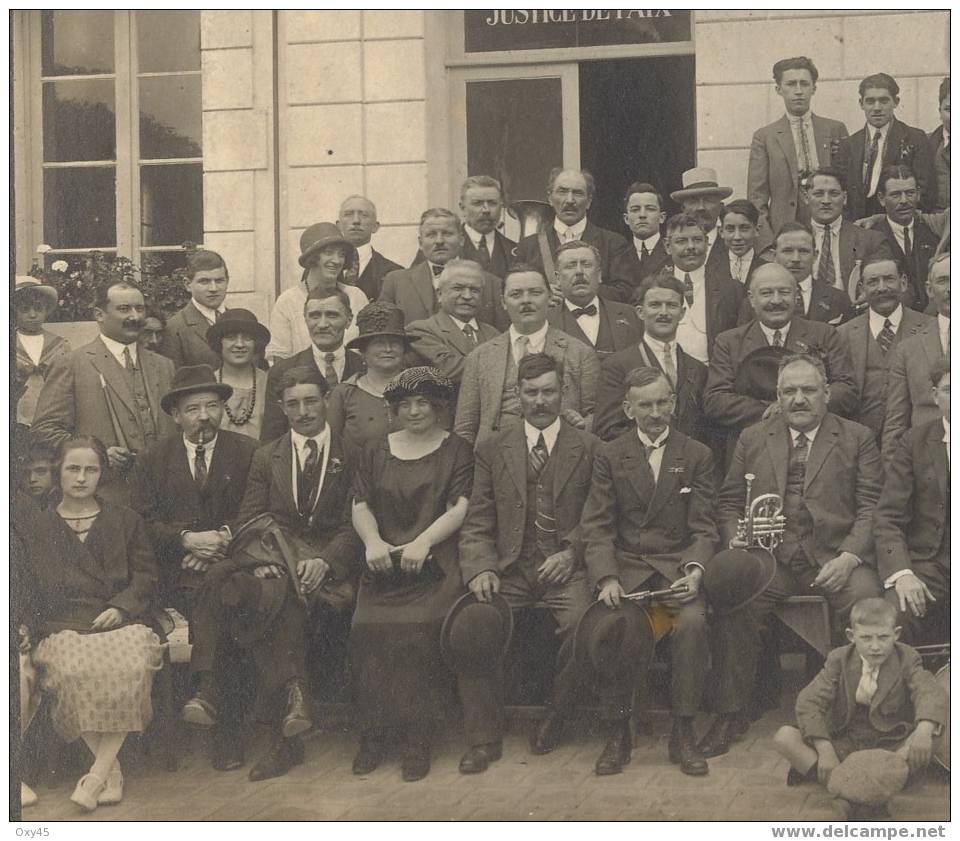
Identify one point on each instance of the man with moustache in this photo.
(357, 221)
(660, 305)
(702, 197)
(151, 336)
(185, 336)
(414, 290)
(109, 388)
(739, 229)
(827, 472)
(488, 400)
(188, 487)
(872, 337)
(327, 316)
(643, 214)
(794, 250)
(570, 193)
(606, 326)
(481, 203)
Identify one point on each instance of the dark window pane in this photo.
(170, 117)
(515, 133)
(171, 204)
(157, 263)
(168, 40)
(76, 43)
(79, 122)
(80, 207)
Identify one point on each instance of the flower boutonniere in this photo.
(905, 151)
(335, 466)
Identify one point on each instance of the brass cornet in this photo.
(763, 522)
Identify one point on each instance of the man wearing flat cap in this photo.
(185, 336)
(326, 257)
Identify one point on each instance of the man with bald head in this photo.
(357, 221)
(570, 193)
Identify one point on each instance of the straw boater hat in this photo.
(190, 379)
(24, 283)
(320, 236)
(701, 181)
(378, 319)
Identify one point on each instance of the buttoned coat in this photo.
(631, 274)
(924, 244)
(185, 339)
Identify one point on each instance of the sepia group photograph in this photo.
(479, 415)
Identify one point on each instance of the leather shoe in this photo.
(200, 710)
(297, 719)
(547, 737)
(227, 751)
(724, 730)
(683, 749)
(283, 755)
(616, 753)
(478, 758)
(369, 756)
(415, 763)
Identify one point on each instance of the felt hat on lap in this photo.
(476, 635)
(735, 577)
(605, 637)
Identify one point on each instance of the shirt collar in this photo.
(769, 331)
(364, 252)
(206, 312)
(532, 434)
(300, 441)
(571, 306)
(460, 324)
(868, 668)
(192, 448)
(806, 284)
(577, 229)
(476, 236)
(651, 241)
(697, 275)
(318, 355)
(661, 438)
(872, 130)
(834, 226)
(745, 259)
(876, 320)
(806, 119)
(810, 433)
(116, 348)
(943, 324)
(946, 431)
(898, 228)
(658, 346)
(535, 338)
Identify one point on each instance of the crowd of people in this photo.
(403, 457)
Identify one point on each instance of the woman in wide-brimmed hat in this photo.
(356, 408)
(240, 340)
(410, 498)
(325, 256)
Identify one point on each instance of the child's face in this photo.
(39, 477)
(30, 313)
(874, 642)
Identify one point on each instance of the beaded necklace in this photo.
(245, 416)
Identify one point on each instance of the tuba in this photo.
(533, 215)
(763, 522)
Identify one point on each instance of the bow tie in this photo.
(590, 309)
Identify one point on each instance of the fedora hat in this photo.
(473, 631)
(322, 235)
(757, 373)
(24, 283)
(378, 319)
(605, 637)
(701, 181)
(735, 577)
(869, 777)
(190, 379)
(237, 321)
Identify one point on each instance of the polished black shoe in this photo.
(371, 753)
(547, 737)
(297, 718)
(415, 762)
(478, 758)
(227, 750)
(616, 753)
(724, 730)
(200, 710)
(683, 749)
(283, 755)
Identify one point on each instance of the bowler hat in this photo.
(190, 379)
(606, 637)
(476, 635)
(322, 235)
(237, 321)
(757, 373)
(869, 777)
(378, 319)
(701, 181)
(735, 577)
(25, 283)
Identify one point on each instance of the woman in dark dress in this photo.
(95, 578)
(411, 492)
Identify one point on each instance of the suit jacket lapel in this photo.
(887, 679)
(283, 470)
(423, 284)
(565, 321)
(778, 448)
(753, 338)
(931, 343)
(514, 456)
(938, 455)
(785, 139)
(151, 376)
(821, 139)
(820, 450)
(848, 233)
(453, 334)
(671, 466)
(115, 377)
(568, 449)
(195, 320)
(638, 470)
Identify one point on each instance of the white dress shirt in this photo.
(32, 344)
(744, 264)
(117, 348)
(537, 340)
(818, 233)
(207, 313)
(192, 454)
(476, 236)
(549, 434)
(660, 348)
(364, 256)
(804, 124)
(769, 331)
(339, 360)
(943, 325)
(806, 292)
(878, 164)
(876, 320)
(810, 433)
(298, 444)
(898, 233)
(569, 234)
(590, 324)
(656, 457)
(692, 330)
(650, 242)
(712, 236)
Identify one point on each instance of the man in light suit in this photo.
(358, 223)
(606, 326)
(414, 290)
(883, 142)
(185, 336)
(872, 337)
(488, 400)
(521, 539)
(787, 150)
(446, 339)
(827, 472)
(644, 215)
(109, 388)
(909, 399)
(794, 250)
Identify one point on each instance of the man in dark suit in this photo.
(527, 481)
(481, 203)
(188, 487)
(185, 336)
(358, 223)
(908, 237)
(327, 316)
(109, 388)
(913, 520)
(739, 229)
(414, 290)
(883, 142)
(794, 250)
(304, 481)
(648, 524)
(940, 150)
(660, 305)
(446, 339)
(702, 197)
(645, 255)
(570, 193)
(871, 337)
(786, 150)
(827, 472)
(773, 296)
(605, 326)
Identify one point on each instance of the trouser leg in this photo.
(690, 656)
(567, 602)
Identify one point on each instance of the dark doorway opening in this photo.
(637, 123)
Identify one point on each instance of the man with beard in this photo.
(185, 336)
(643, 214)
(794, 250)
(871, 338)
(109, 388)
(414, 290)
(358, 223)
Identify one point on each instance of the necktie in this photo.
(688, 289)
(907, 246)
(590, 309)
(305, 483)
(568, 235)
(801, 449)
(644, 253)
(738, 269)
(826, 271)
(886, 336)
(128, 362)
(805, 164)
(649, 450)
(470, 333)
(523, 347)
(867, 687)
(777, 338)
(669, 367)
(437, 270)
(200, 466)
(329, 372)
(539, 455)
(483, 252)
(869, 164)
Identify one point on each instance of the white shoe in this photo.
(28, 797)
(113, 790)
(87, 791)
